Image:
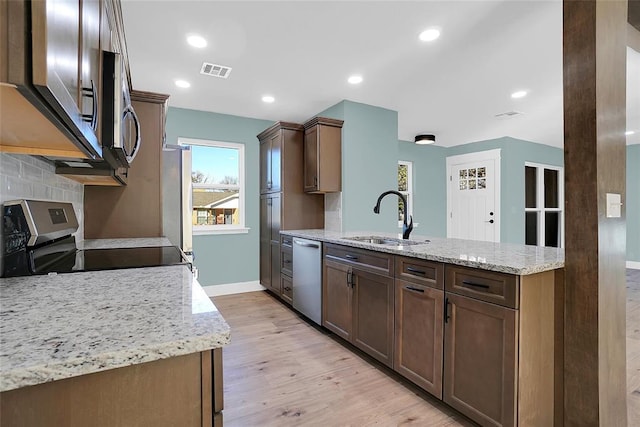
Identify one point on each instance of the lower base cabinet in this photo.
(486, 343)
(418, 335)
(178, 391)
(358, 299)
(480, 360)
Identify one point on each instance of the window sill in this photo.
(213, 230)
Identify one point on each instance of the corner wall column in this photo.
(594, 43)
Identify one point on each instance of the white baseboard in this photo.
(633, 264)
(233, 288)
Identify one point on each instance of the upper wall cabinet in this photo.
(323, 155)
(51, 76)
(276, 166)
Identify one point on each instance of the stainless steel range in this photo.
(37, 239)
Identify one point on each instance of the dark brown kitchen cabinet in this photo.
(480, 360)
(358, 299)
(49, 103)
(419, 321)
(323, 155)
(134, 210)
(501, 344)
(283, 203)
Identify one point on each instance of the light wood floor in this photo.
(280, 371)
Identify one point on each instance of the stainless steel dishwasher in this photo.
(307, 278)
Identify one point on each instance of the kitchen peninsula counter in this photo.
(501, 257)
(60, 326)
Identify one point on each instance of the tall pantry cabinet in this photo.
(283, 203)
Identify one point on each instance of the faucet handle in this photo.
(406, 229)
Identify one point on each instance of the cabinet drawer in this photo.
(286, 261)
(490, 286)
(419, 271)
(287, 288)
(375, 262)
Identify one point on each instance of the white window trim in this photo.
(409, 193)
(199, 230)
(540, 201)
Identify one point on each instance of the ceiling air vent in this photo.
(508, 114)
(215, 70)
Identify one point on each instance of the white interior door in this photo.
(473, 196)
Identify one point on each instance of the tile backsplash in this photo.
(29, 177)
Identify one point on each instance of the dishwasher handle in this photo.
(306, 245)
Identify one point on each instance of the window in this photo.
(544, 201)
(216, 186)
(405, 186)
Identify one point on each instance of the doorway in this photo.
(473, 196)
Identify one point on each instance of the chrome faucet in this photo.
(406, 228)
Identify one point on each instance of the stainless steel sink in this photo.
(388, 241)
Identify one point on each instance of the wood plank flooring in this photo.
(281, 371)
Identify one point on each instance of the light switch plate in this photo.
(614, 205)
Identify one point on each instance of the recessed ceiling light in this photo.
(629, 132)
(196, 41)
(268, 99)
(183, 83)
(519, 94)
(429, 35)
(355, 79)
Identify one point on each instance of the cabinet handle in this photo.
(286, 288)
(315, 181)
(416, 271)
(350, 278)
(352, 257)
(287, 261)
(307, 245)
(93, 117)
(446, 310)
(411, 288)
(286, 242)
(475, 285)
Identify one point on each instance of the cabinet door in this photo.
(265, 164)
(56, 48)
(373, 312)
(311, 159)
(336, 298)
(265, 241)
(480, 360)
(275, 154)
(91, 57)
(418, 337)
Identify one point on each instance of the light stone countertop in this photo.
(142, 242)
(66, 325)
(502, 257)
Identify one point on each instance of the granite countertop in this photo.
(502, 257)
(60, 326)
(143, 242)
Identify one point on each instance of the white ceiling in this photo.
(302, 52)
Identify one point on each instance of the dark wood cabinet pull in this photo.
(411, 288)
(416, 271)
(347, 256)
(475, 285)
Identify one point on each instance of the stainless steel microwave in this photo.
(121, 137)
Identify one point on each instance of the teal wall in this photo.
(222, 258)
(514, 153)
(633, 203)
(369, 165)
(429, 186)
